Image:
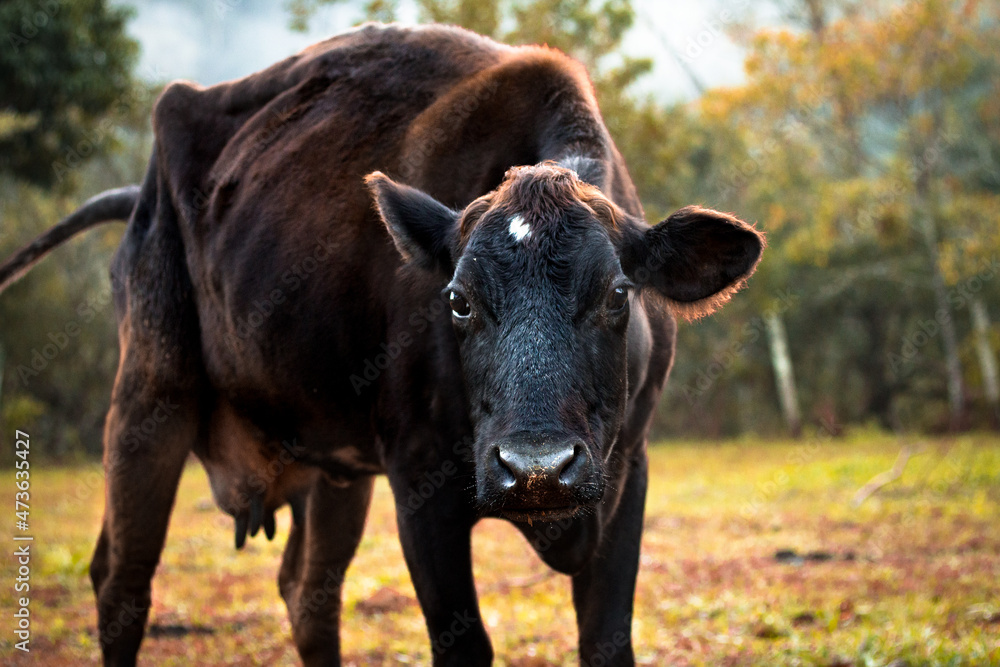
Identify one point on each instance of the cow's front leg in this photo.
(604, 590)
(435, 528)
(325, 535)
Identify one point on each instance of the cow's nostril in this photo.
(574, 466)
(506, 473)
(539, 469)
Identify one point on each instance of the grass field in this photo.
(910, 578)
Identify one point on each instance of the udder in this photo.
(251, 476)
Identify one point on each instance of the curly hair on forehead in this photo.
(472, 214)
(539, 191)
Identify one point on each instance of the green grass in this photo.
(914, 577)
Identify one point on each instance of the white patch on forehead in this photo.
(519, 229)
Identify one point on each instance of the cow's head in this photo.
(544, 273)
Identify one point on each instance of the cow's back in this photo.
(282, 241)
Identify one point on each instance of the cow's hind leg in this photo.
(147, 438)
(320, 547)
(156, 408)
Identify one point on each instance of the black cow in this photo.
(502, 315)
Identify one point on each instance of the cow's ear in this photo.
(697, 258)
(422, 228)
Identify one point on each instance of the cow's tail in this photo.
(110, 205)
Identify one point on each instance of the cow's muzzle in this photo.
(539, 478)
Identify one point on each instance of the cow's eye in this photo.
(459, 306)
(617, 299)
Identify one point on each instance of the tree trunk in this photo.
(783, 373)
(987, 361)
(949, 339)
(953, 363)
(925, 213)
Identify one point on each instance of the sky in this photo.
(216, 40)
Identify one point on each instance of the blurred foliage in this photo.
(74, 122)
(63, 66)
(865, 144)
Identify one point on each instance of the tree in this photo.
(868, 107)
(63, 66)
(73, 122)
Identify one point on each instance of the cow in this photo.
(404, 251)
